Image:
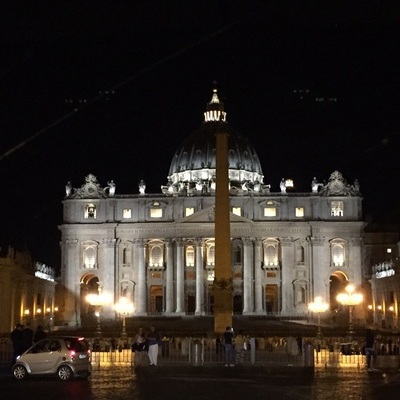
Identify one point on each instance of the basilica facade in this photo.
(157, 251)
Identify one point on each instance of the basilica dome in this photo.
(193, 167)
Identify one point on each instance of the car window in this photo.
(41, 347)
(55, 345)
(78, 345)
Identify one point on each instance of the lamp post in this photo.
(350, 298)
(124, 307)
(318, 306)
(97, 301)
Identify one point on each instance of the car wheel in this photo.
(86, 376)
(64, 372)
(19, 372)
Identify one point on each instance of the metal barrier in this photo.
(260, 352)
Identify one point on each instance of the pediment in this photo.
(269, 203)
(208, 215)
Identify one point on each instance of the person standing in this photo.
(39, 334)
(139, 348)
(370, 351)
(240, 348)
(17, 341)
(27, 337)
(228, 346)
(153, 340)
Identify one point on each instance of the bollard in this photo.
(253, 350)
(165, 347)
(309, 354)
(196, 353)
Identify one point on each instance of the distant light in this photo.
(289, 183)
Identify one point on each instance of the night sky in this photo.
(113, 88)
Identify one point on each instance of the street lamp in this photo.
(124, 307)
(97, 301)
(350, 298)
(318, 307)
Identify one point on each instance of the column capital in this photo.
(247, 241)
(199, 241)
(108, 242)
(356, 241)
(179, 242)
(286, 241)
(139, 242)
(71, 242)
(316, 240)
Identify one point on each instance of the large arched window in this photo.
(156, 256)
(211, 255)
(190, 256)
(271, 253)
(338, 253)
(89, 253)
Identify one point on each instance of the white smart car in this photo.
(65, 357)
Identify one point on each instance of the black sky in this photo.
(158, 60)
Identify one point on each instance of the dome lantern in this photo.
(193, 167)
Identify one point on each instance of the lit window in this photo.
(211, 255)
(156, 212)
(156, 256)
(127, 213)
(388, 251)
(210, 275)
(90, 211)
(337, 208)
(338, 253)
(189, 211)
(269, 212)
(190, 256)
(299, 212)
(270, 253)
(237, 211)
(89, 257)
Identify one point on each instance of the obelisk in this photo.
(223, 290)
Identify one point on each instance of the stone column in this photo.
(169, 290)
(319, 265)
(72, 265)
(141, 284)
(288, 257)
(107, 269)
(247, 276)
(354, 260)
(258, 274)
(180, 277)
(199, 278)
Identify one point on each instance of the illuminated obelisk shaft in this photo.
(223, 304)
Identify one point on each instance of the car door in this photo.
(37, 357)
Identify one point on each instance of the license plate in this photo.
(82, 356)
